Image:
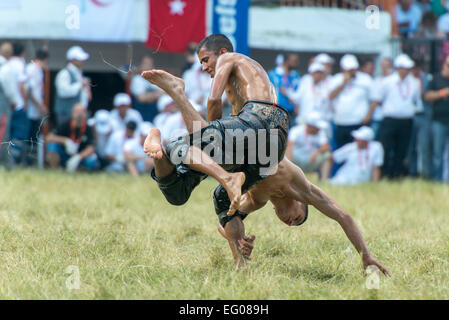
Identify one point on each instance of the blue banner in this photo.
(230, 17)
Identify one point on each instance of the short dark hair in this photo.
(131, 125)
(42, 54)
(215, 42)
(17, 49)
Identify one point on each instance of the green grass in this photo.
(128, 243)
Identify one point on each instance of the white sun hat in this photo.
(316, 67)
(324, 58)
(122, 99)
(77, 53)
(163, 102)
(363, 133)
(403, 61)
(102, 121)
(349, 62)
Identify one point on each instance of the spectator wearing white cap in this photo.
(123, 113)
(308, 146)
(362, 159)
(166, 107)
(71, 86)
(102, 125)
(400, 96)
(313, 94)
(115, 147)
(350, 95)
(145, 95)
(137, 161)
(328, 62)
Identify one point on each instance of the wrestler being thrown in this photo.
(288, 189)
(254, 113)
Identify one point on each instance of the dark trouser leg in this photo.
(343, 134)
(403, 133)
(386, 133)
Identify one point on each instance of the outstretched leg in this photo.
(174, 87)
(153, 148)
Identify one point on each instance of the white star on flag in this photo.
(177, 7)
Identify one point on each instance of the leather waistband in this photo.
(272, 104)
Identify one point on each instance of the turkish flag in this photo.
(176, 23)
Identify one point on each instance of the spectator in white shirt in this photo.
(103, 128)
(400, 97)
(36, 109)
(350, 94)
(71, 86)
(198, 84)
(308, 146)
(137, 161)
(115, 147)
(145, 94)
(386, 68)
(13, 79)
(312, 94)
(408, 17)
(362, 159)
(123, 113)
(6, 51)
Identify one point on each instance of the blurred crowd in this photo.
(427, 19)
(350, 127)
(110, 139)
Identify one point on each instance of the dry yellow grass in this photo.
(128, 243)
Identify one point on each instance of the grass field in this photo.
(128, 243)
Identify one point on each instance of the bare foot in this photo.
(233, 185)
(152, 146)
(164, 80)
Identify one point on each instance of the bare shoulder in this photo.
(234, 57)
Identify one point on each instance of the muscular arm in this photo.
(224, 67)
(432, 95)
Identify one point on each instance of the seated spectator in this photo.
(114, 148)
(167, 108)
(123, 113)
(443, 25)
(428, 27)
(102, 125)
(72, 143)
(362, 159)
(145, 94)
(408, 17)
(137, 161)
(308, 146)
(175, 125)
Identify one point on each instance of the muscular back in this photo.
(247, 80)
